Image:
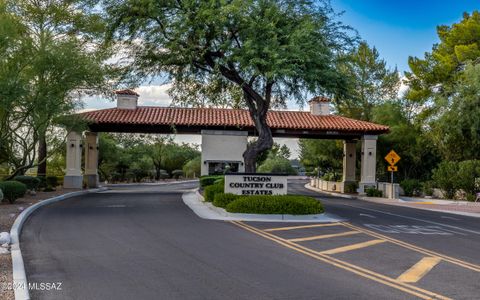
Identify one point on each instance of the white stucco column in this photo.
(73, 174)
(220, 146)
(369, 162)
(349, 161)
(91, 159)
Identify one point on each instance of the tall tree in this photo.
(268, 50)
(431, 80)
(65, 60)
(370, 82)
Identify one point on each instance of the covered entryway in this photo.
(224, 135)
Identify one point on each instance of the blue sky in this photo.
(399, 29)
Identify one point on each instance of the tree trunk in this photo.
(42, 156)
(263, 143)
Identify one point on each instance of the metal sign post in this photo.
(392, 158)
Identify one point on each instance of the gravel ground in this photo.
(8, 214)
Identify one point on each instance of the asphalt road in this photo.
(144, 243)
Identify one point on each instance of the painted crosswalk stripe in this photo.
(324, 236)
(352, 247)
(419, 270)
(302, 226)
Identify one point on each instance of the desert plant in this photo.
(12, 190)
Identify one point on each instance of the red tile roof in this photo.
(298, 120)
(126, 92)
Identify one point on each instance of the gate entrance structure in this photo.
(224, 134)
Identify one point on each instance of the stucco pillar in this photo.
(349, 161)
(369, 160)
(73, 174)
(91, 159)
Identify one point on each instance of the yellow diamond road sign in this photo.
(392, 158)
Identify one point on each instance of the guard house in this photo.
(224, 134)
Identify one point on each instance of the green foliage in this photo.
(12, 190)
(468, 176)
(208, 180)
(277, 165)
(411, 187)
(331, 176)
(456, 132)
(177, 174)
(281, 204)
(351, 187)
(31, 182)
(373, 192)
(445, 177)
(222, 200)
(459, 44)
(370, 82)
(324, 154)
(192, 168)
(427, 187)
(211, 190)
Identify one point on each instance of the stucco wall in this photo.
(222, 145)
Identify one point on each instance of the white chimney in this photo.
(127, 99)
(319, 106)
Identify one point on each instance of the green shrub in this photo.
(277, 165)
(373, 192)
(208, 180)
(468, 171)
(351, 187)
(445, 177)
(211, 190)
(411, 187)
(222, 200)
(52, 181)
(220, 180)
(276, 204)
(12, 190)
(31, 182)
(177, 174)
(43, 182)
(427, 188)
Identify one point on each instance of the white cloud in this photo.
(155, 95)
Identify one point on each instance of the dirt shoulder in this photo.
(8, 214)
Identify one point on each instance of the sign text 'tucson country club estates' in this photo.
(246, 184)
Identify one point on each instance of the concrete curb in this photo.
(370, 199)
(20, 282)
(206, 210)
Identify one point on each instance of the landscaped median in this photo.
(215, 204)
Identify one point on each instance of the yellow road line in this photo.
(407, 288)
(352, 247)
(324, 236)
(302, 226)
(419, 270)
(450, 259)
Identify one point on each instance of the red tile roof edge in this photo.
(300, 120)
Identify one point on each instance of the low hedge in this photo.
(208, 180)
(211, 190)
(12, 190)
(52, 181)
(31, 182)
(276, 204)
(222, 200)
(373, 192)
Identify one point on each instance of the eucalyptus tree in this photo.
(266, 50)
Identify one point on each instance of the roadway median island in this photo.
(216, 204)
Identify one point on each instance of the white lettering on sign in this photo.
(240, 184)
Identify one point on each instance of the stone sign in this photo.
(256, 184)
